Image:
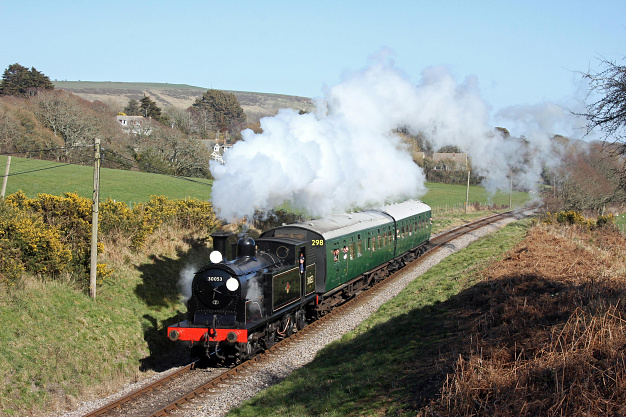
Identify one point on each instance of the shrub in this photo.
(143, 219)
(29, 244)
(572, 217)
(50, 234)
(605, 220)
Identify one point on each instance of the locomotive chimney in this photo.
(220, 243)
(246, 246)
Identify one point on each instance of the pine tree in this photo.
(226, 112)
(21, 82)
(149, 108)
(132, 109)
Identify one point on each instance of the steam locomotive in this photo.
(293, 274)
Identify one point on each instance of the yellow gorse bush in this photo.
(572, 217)
(28, 243)
(141, 221)
(50, 234)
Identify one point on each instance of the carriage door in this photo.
(302, 269)
(334, 270)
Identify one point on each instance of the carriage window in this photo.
(351, 251)
(359, 248)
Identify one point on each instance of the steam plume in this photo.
(346, 154)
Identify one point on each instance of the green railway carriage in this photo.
(345, 246)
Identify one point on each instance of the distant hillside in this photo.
(117, 94)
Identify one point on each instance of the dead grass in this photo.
(545, 331)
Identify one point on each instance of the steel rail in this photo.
(140, 391)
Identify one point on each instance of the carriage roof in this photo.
(343, 224)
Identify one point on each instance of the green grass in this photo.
(59, 345)
(620, 221)
(440, 195)
(387, 364)
(34, 176)
(67, 342)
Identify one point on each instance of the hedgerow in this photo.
(48, 235)
(118, 220)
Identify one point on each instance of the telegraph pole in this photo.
(94, 220)
(6, 177)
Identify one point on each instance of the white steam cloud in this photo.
(185, 280)
(346, 154)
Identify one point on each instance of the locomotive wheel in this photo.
(270, 336)
(246, 351)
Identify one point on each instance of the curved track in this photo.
(139, 403)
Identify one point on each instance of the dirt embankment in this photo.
(545, 333)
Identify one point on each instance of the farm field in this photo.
(34, 176)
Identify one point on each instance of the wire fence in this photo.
(459, 208)
(88, 159)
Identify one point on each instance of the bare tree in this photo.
(179, 119)
(69, 117)
(202, 120)
(589, 181)
(608, 112)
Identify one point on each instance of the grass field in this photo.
(441, 195)
(34, 176)
(111, 85)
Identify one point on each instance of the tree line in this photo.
(34, 117)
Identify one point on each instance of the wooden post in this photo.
(94, 221)
(6, 177)
(467, 193)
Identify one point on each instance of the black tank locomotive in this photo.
(232, 301)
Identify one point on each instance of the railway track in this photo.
(139, 402)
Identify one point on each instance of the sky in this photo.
(519, 52)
